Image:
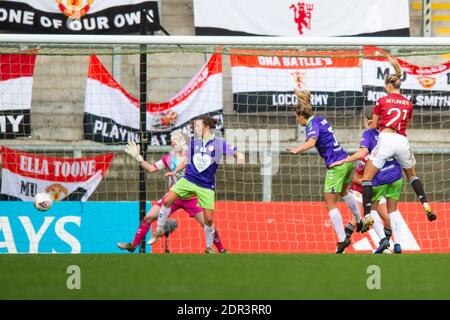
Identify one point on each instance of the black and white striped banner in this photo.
(16, 82)
(111, 114)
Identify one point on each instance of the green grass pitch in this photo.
(232, 276)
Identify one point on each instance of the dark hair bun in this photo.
(208, 121)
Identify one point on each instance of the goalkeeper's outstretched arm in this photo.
(133, 150)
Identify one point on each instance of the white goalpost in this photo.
(225, 40)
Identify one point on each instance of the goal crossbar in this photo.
(223, 40)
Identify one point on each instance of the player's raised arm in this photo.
(134, 151)
(361, 153)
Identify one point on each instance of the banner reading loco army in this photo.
(111, 114)
(25, 174)
(77, 16)
(265, 81)
(426, 87)
(16, 82)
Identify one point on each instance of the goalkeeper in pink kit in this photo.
(169, 162)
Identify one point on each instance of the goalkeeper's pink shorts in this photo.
(188, 205)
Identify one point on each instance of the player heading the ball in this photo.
(391, 116)
(387, 185)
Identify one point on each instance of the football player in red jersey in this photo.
(390, 116)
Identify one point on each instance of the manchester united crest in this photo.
(302, 15)
(74, 10)
(57, 191)
(427, 82)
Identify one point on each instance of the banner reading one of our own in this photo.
(425, 86)
(264, 81)
(302, 17)
(111, 114)
(25, 174)
(16, 82)
(77, 16)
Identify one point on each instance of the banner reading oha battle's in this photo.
(426, 87)
(25, 174)
(112, 115)
(16, 82)
(265, 81)
(77, 16)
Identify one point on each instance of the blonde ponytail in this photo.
(304, 107)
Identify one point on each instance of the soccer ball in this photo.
(43, 201)
(170, 226)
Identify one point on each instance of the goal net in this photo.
(69, 105)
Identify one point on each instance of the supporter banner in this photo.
(264, 81)
(16, 82)
(302, 18)
(25, 174)
(111, 114)
(77, 16)
(427, 87)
